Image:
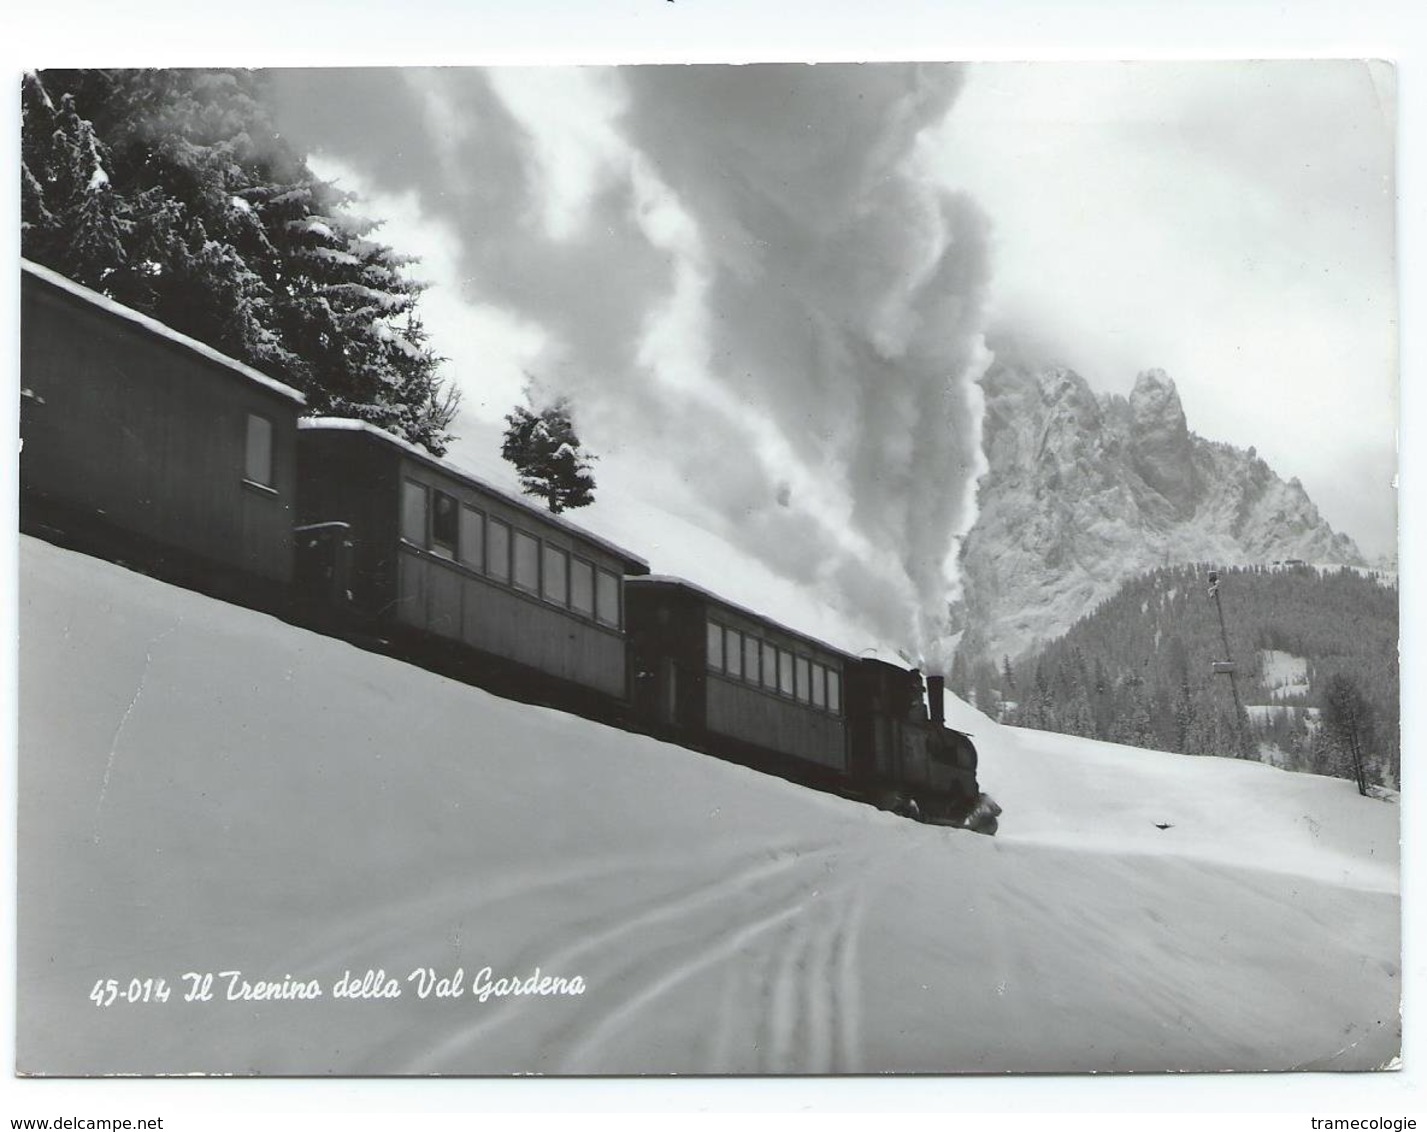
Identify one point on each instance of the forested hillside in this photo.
(1138, 669)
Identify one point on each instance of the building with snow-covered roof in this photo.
(143, 444)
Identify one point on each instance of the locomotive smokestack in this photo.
(936, 696)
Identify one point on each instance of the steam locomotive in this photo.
(149, 448)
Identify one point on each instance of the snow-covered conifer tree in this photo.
(546, 452)
(71, 214)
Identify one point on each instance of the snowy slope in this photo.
(205, 788)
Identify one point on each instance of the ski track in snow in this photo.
(619, 946)
(811, 986)
(801, 999)
(123, 721)
(777, 927)
(386, 926)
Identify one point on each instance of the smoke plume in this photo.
(746, 282)
(842, 305)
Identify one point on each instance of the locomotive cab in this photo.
(901, 748)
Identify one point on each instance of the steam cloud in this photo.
(758, 287)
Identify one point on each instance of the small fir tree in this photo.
(546, 452)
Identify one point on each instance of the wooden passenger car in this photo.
(145, 445)
(436, 553)
(722, 677)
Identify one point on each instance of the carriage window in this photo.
(819, 686)
(582, 587)
(715, 646)
(473, 538)
(733, 651)
(770, 666)
(607, 599)
(557, 568)
(413, 513)
(498, 550)
(834, 691)
(750, 659)
(444, 518)
(785, 672)
(258, 459)
(527, 562)
(804, 679)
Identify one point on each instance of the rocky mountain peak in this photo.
(1161, 449)
(1154, 385)
(1084, 492)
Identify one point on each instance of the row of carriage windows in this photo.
(755, 661)
(450, 529)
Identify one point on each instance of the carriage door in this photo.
(324, 564)
(668, 692)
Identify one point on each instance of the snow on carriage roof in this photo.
(154, 326)
(346, 424)
(684, 583)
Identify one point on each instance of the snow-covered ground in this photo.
(203, 788)
(1284, 675)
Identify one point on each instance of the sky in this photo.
(1230, 223)
(769, 290)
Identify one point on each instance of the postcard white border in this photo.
(326, 32)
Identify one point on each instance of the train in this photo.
(149, 448)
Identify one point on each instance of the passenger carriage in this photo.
(144, 445)
(737, 683)
(421, 550)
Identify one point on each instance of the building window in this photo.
(607, 599)
(819, 686)
(804, 669)
(555, 576)
(527, 562)
(785, 672)
(258, 459)
(445, 520)
(770, 666)
(834, 692)
(473, 538)
(413, 513)
(498, 550)
(582, 587)
(733, 651)
(715, 646)
(750, 659)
